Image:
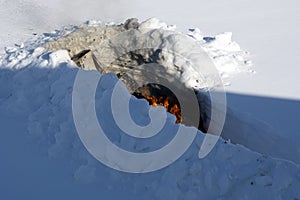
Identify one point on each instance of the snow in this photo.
(226, 54)
(38, 94)
(265, 107)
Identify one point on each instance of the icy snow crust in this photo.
(38, 85)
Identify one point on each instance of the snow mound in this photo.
(38, 87)
(225, 53)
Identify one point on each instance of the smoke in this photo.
(22, 18)
(78, 11)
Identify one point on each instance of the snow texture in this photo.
(38, 88)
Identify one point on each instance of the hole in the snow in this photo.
(155, 94)
(159, 95)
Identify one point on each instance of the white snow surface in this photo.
(267, 29)
(38, 93)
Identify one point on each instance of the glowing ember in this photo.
(172, 108)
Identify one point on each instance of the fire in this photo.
(172, 108)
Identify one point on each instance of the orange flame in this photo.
(165, 101)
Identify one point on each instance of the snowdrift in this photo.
(37, 85)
